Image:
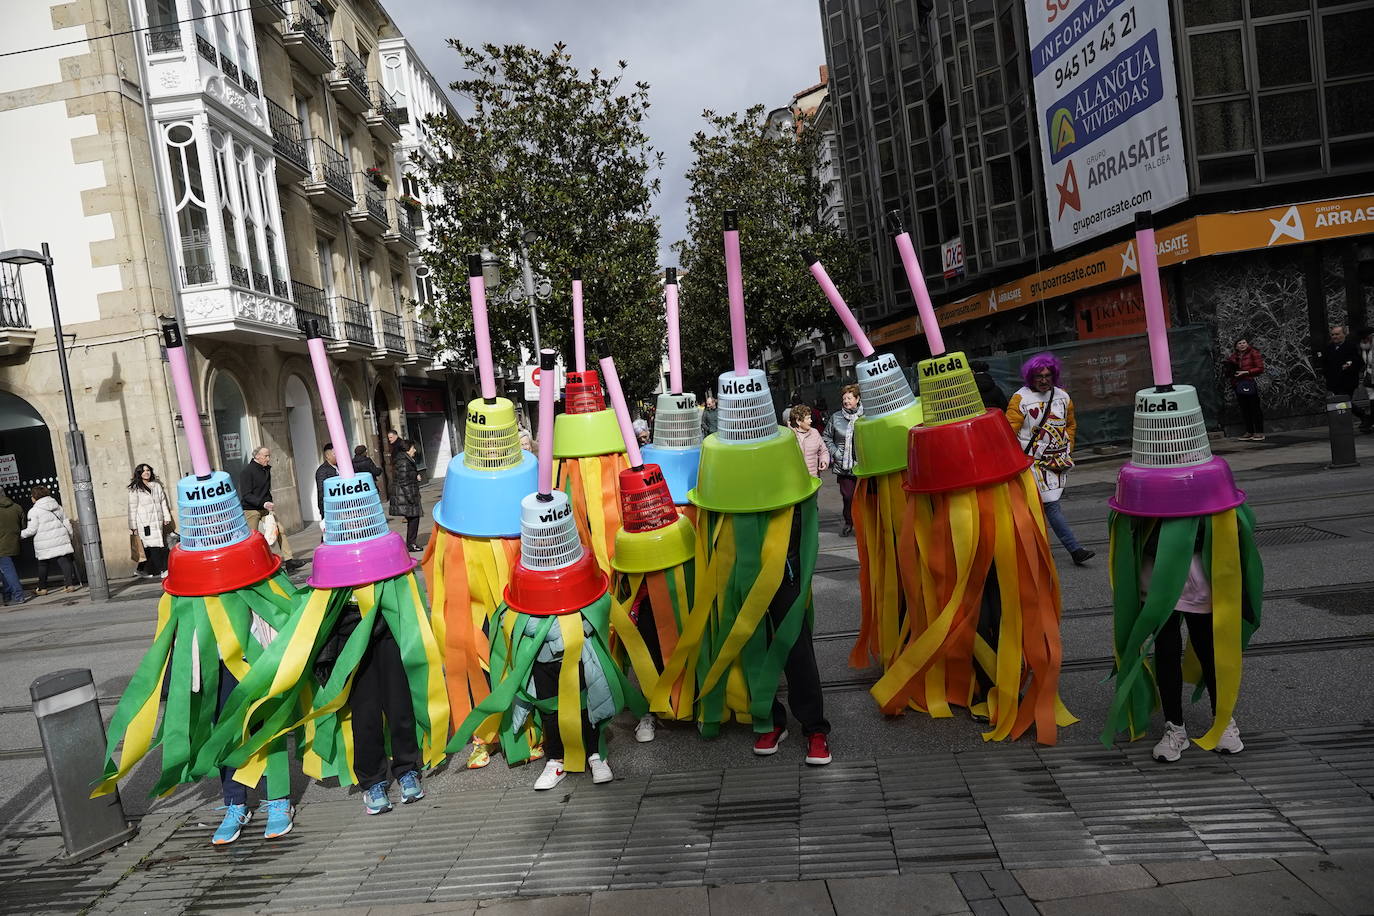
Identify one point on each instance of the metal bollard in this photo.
(1340, 422)
(74, 744)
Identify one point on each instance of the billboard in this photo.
(1107, 103)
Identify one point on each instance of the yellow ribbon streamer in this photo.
(1226, 621)
(570, 694)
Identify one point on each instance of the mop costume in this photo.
(361, 563)
(1172, 491)
(889, 576)
(476, 539)
(676, 448)
(589, 449)
(756, 503)
(556, 612)
(224, 598)
(981, 551)
(651, 591)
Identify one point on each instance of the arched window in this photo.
(229, 208)
(233, 434)
(188, 201)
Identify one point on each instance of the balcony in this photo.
(242, 305)
(384, 118)
(163, 39)
(369, 216)
(391, 338)
(348, 81)
(15, 334)
(306, 37)
(329, 184)
(352, 324)
(312, 305)
(269, 11)
(422, 347)
(288, 142)
(400, 232)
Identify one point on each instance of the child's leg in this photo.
(396, 701)
(545, 676)
(803, 678)
(1200, 634)
(235, 793)
(365, 701)
(648, 627)
(1169, 668)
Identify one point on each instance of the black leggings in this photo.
(68, 570)
(381, 696)
(1169, 661)
(545, 676)
(1252, 412)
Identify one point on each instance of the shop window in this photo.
(188, 202)
(1345, 39)
(1283, 55)
(1221, 127)
(1226, 170)
(230, 412)
(1279, 163)
(1218, 60)
(1210, 12)
(1289, 117)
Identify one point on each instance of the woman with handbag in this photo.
(405, 491)
(51, 531)
(1041, 414)
(150, 518)
(1246, 365)
(839, 440)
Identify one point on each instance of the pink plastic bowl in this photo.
(1199, 489)
(361, 563)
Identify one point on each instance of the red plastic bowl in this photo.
(955, 456)
(196, 573)
(550, 592)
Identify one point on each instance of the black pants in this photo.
(647, 626)
(1169, 661)
(1252, 412)
(545, 687)
(989, 627)
(412, 529)
(235, 793)
(157, 560)
(68, 570)
(803, 679)
(380, 688)
(847, 483)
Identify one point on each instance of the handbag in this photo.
(269, 528)
(1247, 388)
(136, 554)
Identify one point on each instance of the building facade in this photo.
(237, 168)
(937, 118)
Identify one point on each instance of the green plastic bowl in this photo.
(880, 444)
(582, 435)
(757, 476)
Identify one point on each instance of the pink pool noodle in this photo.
(579, 336)
(611, 379)
(477, 286)
(1154, 301)
(343, 452)
(734, 284)
(548, 381)
(674, 343)
(186, 403)
(918, 289)
(847, 318)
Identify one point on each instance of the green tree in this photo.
(561, 154)
(770, 179)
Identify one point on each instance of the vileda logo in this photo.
(684, 403)
(1145, 405)
(337, 486)
(224, 488)
(941, 366)
(653, 479)
(554, 515)
(885, 363)
(479, 419)
(731, 386)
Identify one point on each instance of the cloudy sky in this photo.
(723, 55)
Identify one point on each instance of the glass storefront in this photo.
(232, 433)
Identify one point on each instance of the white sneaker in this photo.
(601, 770)
(1172, 745)
(1229, 742)
(644, 731)
(553, 774)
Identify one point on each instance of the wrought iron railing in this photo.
(198, 274)
(239, 276)
(287, 136)
(230, 68)
(310, 24)
(353, 321)
(206, 48)
(250, 84)
(348, 65)
(261, 282)
(370, 197)
(424, 347)
(405, 222)
(14, 312)
(164, 38)
(385, 105)
(393, 333)
(281, 288)
(311, 303)
(329, 166)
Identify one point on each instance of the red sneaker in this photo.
(767, 744)
(817, 750)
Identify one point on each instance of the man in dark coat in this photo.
(405, 492)
(363, 464)
(11, 523)
(328, 468)
(255, 496)
(1341, 365)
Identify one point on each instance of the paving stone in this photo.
(911, 895)
(567, 905)
(1250, 866)
(1150, 901)
(973, 886)
(678, 901)
(1018, 906)
(1002, 883)
(1274, 893)
(1174, 872)
(988, 906)
(1345, 881)
(456, 908)
(793, 898)
(1054, 883)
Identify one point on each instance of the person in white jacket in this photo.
(51, 531)
(149, 519)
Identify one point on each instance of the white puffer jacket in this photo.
(50, 529)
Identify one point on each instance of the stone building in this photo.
(240, 169)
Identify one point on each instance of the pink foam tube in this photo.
(579, 335)
(851, 324)
(481, 332)
(734, 284)
(186, 403)
(929, 323)
(611, 379)
(343, 452)
(674, 341)
(1154, 300)
(548, 382)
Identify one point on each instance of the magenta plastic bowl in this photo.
(360, 563)
(1199, 489)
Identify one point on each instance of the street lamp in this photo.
(532, 288)
(76, 439)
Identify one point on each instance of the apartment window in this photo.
(1283, 54)
(324, 254)
(397, 294)
(365, 280)
(188, 202)
(303, 115)
(424, 285)
(1218, 63)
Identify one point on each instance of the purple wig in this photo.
(1039, 363)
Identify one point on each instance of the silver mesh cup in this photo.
(677, 422)
(210, 513)
(1169, 431)
(745, 408)
(548, 533)
(352, 510)
(883, 386)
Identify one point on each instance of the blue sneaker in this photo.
(280, 818)
(410, 787)
(235, 816)
(375, 800)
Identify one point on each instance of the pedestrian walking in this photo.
(255, 496)
(709, 419)
(812, 445)
(1366, 336)
(405, 492)
(150, 520)
(11, 523)
(328, 468)
(51, 531)
(1041, 414)
(1244, 367)
(839, 440)
(363, 464)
